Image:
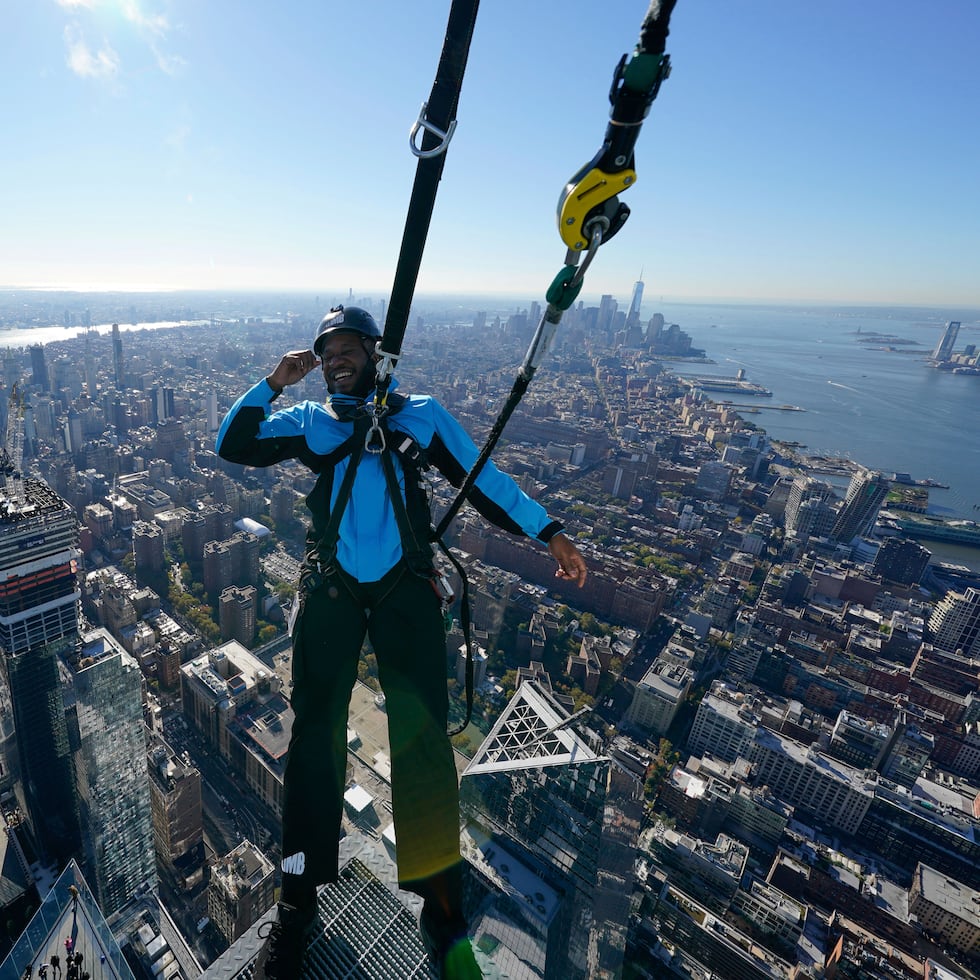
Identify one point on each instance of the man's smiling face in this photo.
(347, 367)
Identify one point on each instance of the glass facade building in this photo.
(105, 706)
(571, 815)
(38, 624)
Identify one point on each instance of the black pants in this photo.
(401, 615)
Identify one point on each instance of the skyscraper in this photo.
(863, 500)
(38, 622)
(901, 560)
(111, 769)
(571, 816)
(635, 301)
(808, 510)
(39, 368)
(944, 349)
(212, 408)
(955, 622)
(117, 356)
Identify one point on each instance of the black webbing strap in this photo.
(465, 625)
(437, 121)
(326, 548)
(417, 553)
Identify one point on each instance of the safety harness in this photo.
(412, 513)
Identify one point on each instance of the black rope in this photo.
(655, 27)
(521, 383)
(440, 114)
(631, 96)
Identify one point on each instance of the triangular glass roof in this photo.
(530, 733)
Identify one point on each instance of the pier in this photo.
(763, 407)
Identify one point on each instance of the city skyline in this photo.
(611, 792)
(161, 145)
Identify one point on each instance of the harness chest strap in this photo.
(414, 521)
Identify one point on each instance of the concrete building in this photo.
(724, 725)
(148, 546)
(175, 801)
(944, 349)
(932, 825)
(234, 561)
(235, 701)
(659, 695)
(237, 609)
(710, 871)
(901, 560)
(210, 523)
(859, 742)
(241, 890)
(714, 479)
(808, 508)
(777, 916)
(811, 781)
(946, 908)
(857, 515)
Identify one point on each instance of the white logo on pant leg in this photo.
(295, 864)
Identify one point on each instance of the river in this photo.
(884, 408)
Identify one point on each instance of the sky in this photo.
(798, 152)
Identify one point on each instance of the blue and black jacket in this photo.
(369, 542)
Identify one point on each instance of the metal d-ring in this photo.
(422, 123)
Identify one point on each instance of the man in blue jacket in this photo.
(369, 572)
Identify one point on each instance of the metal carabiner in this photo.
(596, 230)
(422, 123)
(374, 440)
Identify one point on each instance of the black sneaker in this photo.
(281, 955)
(449, 950)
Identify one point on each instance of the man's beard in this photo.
(363, 383)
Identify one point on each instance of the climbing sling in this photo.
(437, 123)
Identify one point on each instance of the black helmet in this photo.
(351, 318)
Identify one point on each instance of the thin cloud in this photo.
(154, 23)
(169, 64)
(151, 28)
(85, 62)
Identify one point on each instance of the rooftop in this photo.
(367, 928)
(530, 732)
(69, 910)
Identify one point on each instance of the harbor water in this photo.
(864, 396)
